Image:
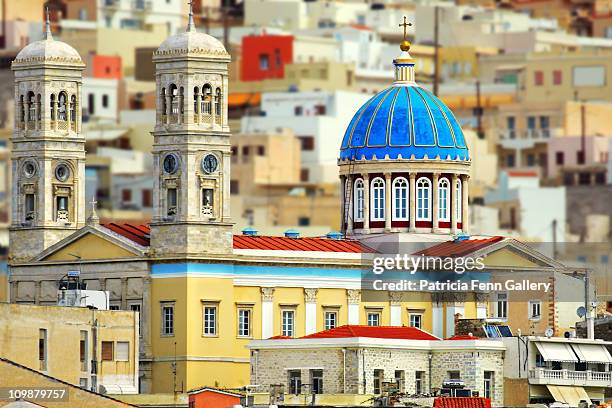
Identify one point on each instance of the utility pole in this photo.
(436, 49)
(554, 239)
(583, 132)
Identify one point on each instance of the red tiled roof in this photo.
(298, 244)
(522, 173)
(279, 337)
(361, 27)
(137, 233)
(377, 332)
(459, 248)
(462, 402)
(463, 337)
(141, 235)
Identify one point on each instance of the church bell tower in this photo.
(191, 149)
(48, 149)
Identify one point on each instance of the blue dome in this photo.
(404, 121)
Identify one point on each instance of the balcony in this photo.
(526, 138)
(545, 376)
(142, 5)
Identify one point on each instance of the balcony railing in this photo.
(531, 134)
(568, 377)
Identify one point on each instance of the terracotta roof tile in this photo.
(377, 332)
(462, 402)
(141, 235)
(463, 337)
(459, 248)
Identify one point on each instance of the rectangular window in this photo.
(207, 200)
(172, 201)
(264, 62)
(559, 158)
(210, 320)
(580, 157)
(374, 319)
(83, 383)
(167, 319)
(107, 351)
(557, 77)
(234, 187)
(316, 381)
(244, 322)
(42, 349)
(488, 384)
(298, 111)
(531, 122)
(540, 362)
(416, 320)
(295, 381)
(115, 305)
(303, 221)
(123, 351)
(535, 308)
(320, 110)
(538, 78)
(126, 195)
(307, 143)
(379, 376)
(105, 101)
(502, 306)
(454, 375)
(331, 320)
(90, 104)
(147, 198)
(400, 380)
(83, 350)
(304, 175)
(29, 207)
(288, 323)
(419, 377)
(261, 150)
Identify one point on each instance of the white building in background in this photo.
(100, 99)
(318, 118)
(137, 14)
(528, 208)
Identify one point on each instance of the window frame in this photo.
(420, 320)
(395, 200)
(377, 213)
(163, 305)
(249, 334)
(498, 301)
(116, 347)
(358, 200)
(444, 212)
(325, 319)
(423, 213)
(292, 312)
(373, 313)
(459, 201)
(531, 304)
(215, 307)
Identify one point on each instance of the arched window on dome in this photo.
(196, 104)
(423, 199)
(52, 106)
(400, 199)
(358, 200)
(31, 107)
(206, 100)
(444, 200)
(378, 199)
(458, 202)
(218, 102)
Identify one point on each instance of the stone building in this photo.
(360, 359)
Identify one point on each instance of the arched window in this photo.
(52, 106)
(174, 108)
(443, 200)
(38, 108)
(423, 198)
(21, 109)
(459, 202)
(196, 94)
(378, 199)
(358, 202)
(207, 99)
(31, 107)
(218, 102)
(400, 199)
(73, 109)
(61, 106)
(162, 102)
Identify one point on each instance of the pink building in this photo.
(569, 165)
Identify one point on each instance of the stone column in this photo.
(453, 206)
(395, 299)
(366, 203)
(54, 108)
(26, 114)
(435, 199)
(387, 202)
(310, 299)
(464, 205)
(36, 113)
(267, 313)
(168, 105)
(412, 202)
(353, 298)
(146, 312)
(351, 210)
(181, 108)
(198, 105)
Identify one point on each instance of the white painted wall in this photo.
(100, 89)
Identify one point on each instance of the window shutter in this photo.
(123, 351)
(107, 351)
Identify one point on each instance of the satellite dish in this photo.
(581, 311)
(549, 332)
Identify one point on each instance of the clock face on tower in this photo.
(210, 163)
(170, 164)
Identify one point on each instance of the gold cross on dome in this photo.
(405, 24)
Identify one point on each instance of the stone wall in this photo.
(409, 361)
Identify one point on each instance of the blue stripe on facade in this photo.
(252, 270)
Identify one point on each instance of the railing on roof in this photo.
(569, 377)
